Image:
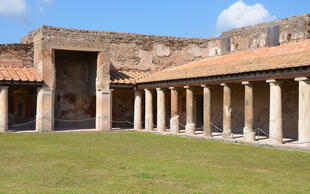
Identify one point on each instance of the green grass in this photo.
(131, 162)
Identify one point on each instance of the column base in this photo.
(3, 127)
(248, 134)
(190, 128)
(207, 133)
(275, 141)
(227, 135)
(174, 125)
(149, 124)
(161, 129)
(137, 127)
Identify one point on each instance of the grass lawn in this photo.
(130, 162)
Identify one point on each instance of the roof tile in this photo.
(18, 73)
(127, 77)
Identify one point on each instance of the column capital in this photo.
(4, 87)
(205, 86)
(159, 89)
(146, 90)
(301, 79)
(272, 82)
(172, 88)
(187, 87)
(225, 84)
(246, 83)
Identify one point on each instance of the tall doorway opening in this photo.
(75, 95)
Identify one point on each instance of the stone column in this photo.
(161, 110)
(3, 109)
(148, 110)
(138, 110)
(45, 110)
(190, 125)
(103, 93)
(227, 132)
(248, 133)
(174, 120)
(275, 115)
(304, 111)
(44, 63)
(207, 111)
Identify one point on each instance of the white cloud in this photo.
(13, 8)
(240, 14)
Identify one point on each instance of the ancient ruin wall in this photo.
(10, 53)
(134, 51)
(148, 52)
(269, 34)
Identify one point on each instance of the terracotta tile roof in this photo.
(126, 77)
(285, 56)
(18, 73)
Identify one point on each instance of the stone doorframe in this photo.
(44, 63)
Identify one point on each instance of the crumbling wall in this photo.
(148, 52)
(132, 51)
(12, 53)
(258, 36)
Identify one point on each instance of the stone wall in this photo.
(261, 35)
(149, 52)
(16, 52)
(131, 51)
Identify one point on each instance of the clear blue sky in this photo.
(195, 18)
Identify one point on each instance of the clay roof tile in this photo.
(18, 73)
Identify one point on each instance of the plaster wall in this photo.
(22, 107)
(75, 94)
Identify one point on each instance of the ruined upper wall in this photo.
(269, 34)
(10, 53)
(148, 52)
(132, 51)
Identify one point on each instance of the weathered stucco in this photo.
(75, 94)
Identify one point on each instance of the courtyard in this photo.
(131, 162)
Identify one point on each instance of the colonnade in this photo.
(275, 112)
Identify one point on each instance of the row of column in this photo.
(275, 114)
